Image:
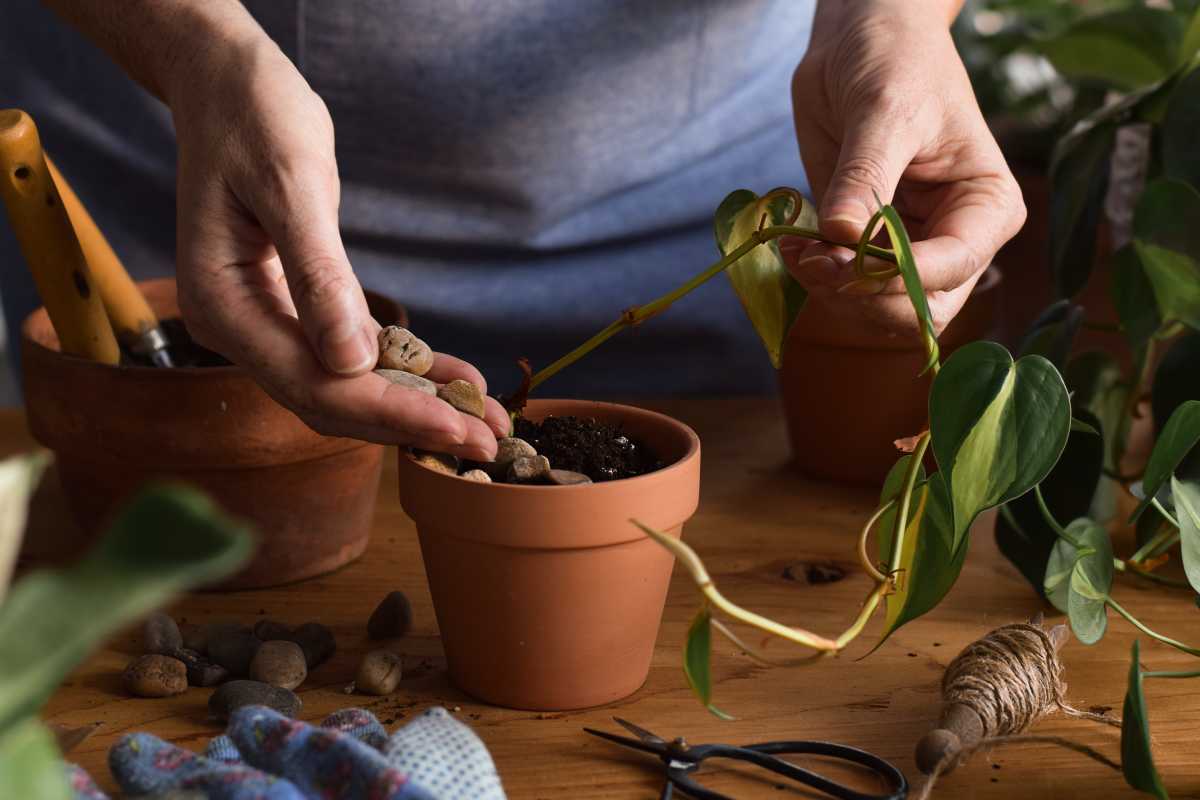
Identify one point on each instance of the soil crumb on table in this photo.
(599, 450)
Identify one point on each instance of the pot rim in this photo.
(36, 348)
(691, 453)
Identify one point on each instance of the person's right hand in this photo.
(263, 277)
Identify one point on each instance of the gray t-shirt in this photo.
(515, 171)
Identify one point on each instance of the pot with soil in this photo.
(310, 497)
(846, 403)
(546, 596)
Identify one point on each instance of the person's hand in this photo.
(263, 277)
(883, 107)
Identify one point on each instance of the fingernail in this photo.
(347, 349)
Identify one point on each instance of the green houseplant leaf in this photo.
(30, 765)
(1186, 494)
(1052, 334)
(1078, 579)
(1137, 759)
(929, 564)
(1022, 534)
(1079, 180)
(1133, 296)
(167, 540)
(1168, 214)
(1175, 277)
(1180, 157)
(697, 654)
(907, 265)
(771, 297)
(998, 427)
(1125, 49)
(1176, 380)
(1176, 440)
(1097, 385)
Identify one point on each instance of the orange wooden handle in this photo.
(48, 243)
(128, 311)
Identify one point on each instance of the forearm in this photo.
(831, 14)
(160, 43)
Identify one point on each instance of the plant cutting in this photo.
(51, 620)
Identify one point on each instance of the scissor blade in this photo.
(645, 747)
(641, 733)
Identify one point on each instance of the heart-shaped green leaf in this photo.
(998, 427)
(1022, 534)
(1175, 278)
(1097, 385)
(928, 566)
(1178, 437)
(1078, 579)
(165, 541)
(30, 765)
(1168, 214)
(697, 654)
(1137, 759)
(771, 297)
(1133, 296)
(1125, 49)
(1079, 180)
(1186, 494)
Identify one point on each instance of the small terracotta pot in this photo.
(846, 405)
(311, 497)
(546, 596)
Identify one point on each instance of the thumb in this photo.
(870, 163)
(329, 300)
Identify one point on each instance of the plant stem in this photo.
(863, 557)
(1132, 620)
(1168, 674)
(1059, 530)
(639, 313)
(1152, 544)
(1166, 515)
(910, 480)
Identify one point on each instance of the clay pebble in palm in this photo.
(400, 349)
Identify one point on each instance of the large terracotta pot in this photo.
(310, 497)
(846, 404)
(546, 596)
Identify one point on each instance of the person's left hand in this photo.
(883, 106)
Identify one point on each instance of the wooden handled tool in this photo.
(133, 321)
(48, 243)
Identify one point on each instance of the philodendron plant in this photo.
(165, 541)
(1003, 434)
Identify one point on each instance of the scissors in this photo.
(683, 759)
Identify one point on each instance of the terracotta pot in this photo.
(310, 497)
(846, 405)
(546, 596)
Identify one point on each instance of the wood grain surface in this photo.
(760, 527)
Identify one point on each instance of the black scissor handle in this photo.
(763, 755)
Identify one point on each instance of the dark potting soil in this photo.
(597, 449)
(184, 350)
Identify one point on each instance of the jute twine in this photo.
(1011, 678)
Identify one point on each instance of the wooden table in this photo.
(758, 525)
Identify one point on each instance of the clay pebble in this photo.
(195, 637)
(400, 349)
(409, 381)
(477, 475)
(392, 618)
(379, 673)
(233, 647)
(529, 469)
(316, 641)
(200, 671)
(269, 630)
(279, 663)
(565, 477)
(160, 634)
(463, 395)
(438, 462)
(235, 694)
(155, 675)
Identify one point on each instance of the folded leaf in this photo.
(167, 540)
(1078, 580)
(697, 654)
(1178, 437)
(998, 427)
(1137, 759)
(907, 265)
(771, 297)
